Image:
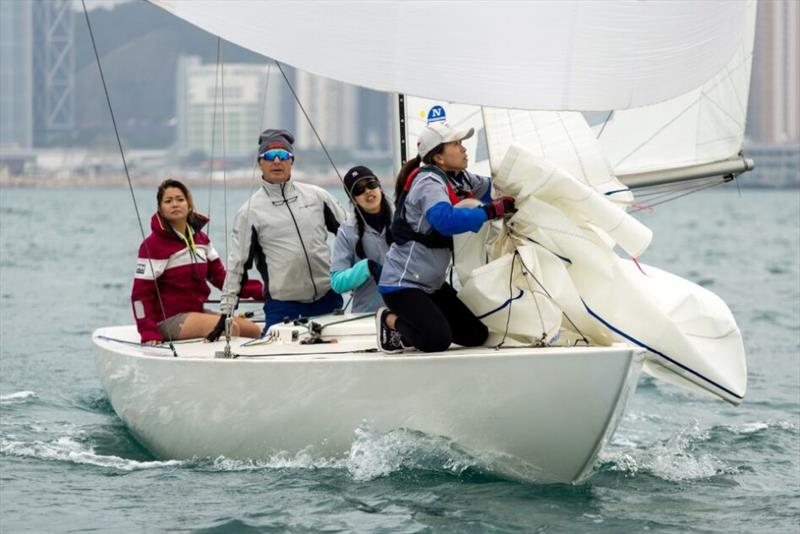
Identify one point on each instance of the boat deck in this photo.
(353, 339)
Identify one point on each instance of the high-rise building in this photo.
(375, 120)
(53, 71)
(247, 108)
(774, 104)
(333, 109)
(16, 75)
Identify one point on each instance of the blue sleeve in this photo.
(448, 220)
(349, 279)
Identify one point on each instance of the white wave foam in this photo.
(373, 455)
(758, 426)
(19, 396)
(749, 428)
(786, 425)
(674, 460)
(304, 459)
(66, 449)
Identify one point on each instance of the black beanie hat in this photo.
(356, 174)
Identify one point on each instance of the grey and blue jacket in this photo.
(349, 272)
(426, 207)
(282, 230)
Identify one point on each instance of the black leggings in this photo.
(431, 321)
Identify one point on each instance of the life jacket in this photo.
(402, 232)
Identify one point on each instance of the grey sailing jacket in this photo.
(365, 297)
(413, 265)
(283, 230)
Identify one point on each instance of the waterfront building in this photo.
(200, 101)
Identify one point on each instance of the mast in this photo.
(401, 123)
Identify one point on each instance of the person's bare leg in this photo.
(246, 328)
(200, 324)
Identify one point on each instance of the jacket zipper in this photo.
(302, 244)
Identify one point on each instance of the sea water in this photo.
(677, 462)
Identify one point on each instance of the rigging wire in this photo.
(658, 198)
(544, 289)
(125, 166)
(213, 131)
(224, 147)
(319, 139)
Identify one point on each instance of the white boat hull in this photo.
(540, 414)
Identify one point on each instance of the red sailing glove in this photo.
(499, 207)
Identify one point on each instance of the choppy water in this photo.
(678, 462)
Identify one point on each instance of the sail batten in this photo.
(547, 55)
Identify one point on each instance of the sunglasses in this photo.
(363, 185)
(279, 153)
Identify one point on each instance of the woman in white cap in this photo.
(362, 241)
(423, 309)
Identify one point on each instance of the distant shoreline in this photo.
(112, 181)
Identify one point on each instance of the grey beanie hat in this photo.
(275, 139)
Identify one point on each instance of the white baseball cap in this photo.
(437, 133)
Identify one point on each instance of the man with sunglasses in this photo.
(283, 230)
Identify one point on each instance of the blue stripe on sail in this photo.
(503, 305)
(607, 193)
(562, 258)
(654, 351)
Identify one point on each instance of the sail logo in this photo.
(436, 114)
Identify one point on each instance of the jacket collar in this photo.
(159, 226)
(280, 194)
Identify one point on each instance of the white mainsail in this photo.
(599, 55)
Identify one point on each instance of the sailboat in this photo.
(573, 124)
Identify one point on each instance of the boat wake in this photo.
(69, 449)
(693, 453)
(372, 455)
(18, 397)
(676, 459)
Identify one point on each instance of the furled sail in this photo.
(548, 55)
(568, 232)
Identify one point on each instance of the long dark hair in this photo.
(408, 168)
(386, 218)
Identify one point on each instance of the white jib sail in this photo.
(599, 55)
(705, 125)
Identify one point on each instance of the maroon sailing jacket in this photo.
(182, 273)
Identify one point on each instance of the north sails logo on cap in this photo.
(436, 114)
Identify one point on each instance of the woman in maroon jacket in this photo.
(178, 258)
